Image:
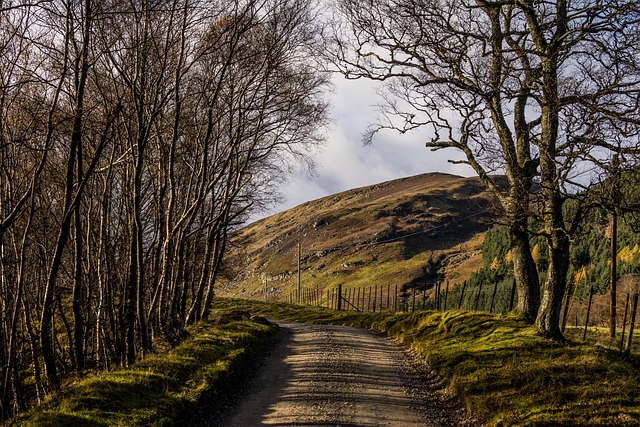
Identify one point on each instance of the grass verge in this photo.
(164, 389)
(505, 372)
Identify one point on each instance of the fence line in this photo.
(585, 320)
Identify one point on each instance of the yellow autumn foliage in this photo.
(627, 254)
(495, 263)
(580, 275)
(535, 253)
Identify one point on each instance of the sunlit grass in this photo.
(504, 371)
(164, 387)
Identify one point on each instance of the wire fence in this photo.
(497, 298)
(585, 320)
(589, 320)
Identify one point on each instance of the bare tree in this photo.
(266, 111)
(528, 89)
(134, 137)
(446, 68)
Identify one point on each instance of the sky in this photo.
(344, 163)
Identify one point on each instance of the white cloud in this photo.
(344, 163)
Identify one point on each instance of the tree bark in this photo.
(548, 320)
(524, 271)
(613, 275)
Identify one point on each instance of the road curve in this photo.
(321, 375)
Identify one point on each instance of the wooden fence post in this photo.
(493, 296)
(464, 286)
(375, 294)
(413, 301)
(586, 323)
(388, 296)
(446, 295)
(298, 294)
(566, 305)
(395, 301)
(624, 321)
(475, 306)
(633, 321)
(339, 296)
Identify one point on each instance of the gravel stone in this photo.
(320, 375)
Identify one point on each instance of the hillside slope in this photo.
(409, 231)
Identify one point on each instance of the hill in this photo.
(409, 231)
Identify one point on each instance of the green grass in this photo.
(162, 389)
(505, 372)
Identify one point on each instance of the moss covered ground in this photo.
(503, 370)
(165, 388)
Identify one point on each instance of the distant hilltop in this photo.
(407, 231)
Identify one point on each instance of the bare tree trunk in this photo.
(135, 282)
(11, 368)
(524, 271)
(195, 310)
(35, 354)
(102, 270)
(613, 274)
(221, 242)
(548, 320)
(78, 296)
(47, 330)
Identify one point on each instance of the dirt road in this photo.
(341, 376)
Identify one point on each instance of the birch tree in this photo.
(134, 137)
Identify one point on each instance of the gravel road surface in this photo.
(340, 376)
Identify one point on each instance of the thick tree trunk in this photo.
(524, 271)
(548, 320)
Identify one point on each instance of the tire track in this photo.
(340, 376)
